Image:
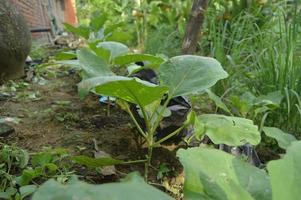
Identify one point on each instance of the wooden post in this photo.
(196, 19)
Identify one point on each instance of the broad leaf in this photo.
(86, 85)
(96, 162)
(27, 190)
(285, 174)
(284, 139)
(216, 175)
(131, 58)
(133, 188)
(119, 36)
(92, 65)
(79, 31)
(132, 90)
(190, 74)
(233, 131)
(103, 53)
(65, 56)
(9, 193)
(272, 99)
(115, 48)
(41, 159)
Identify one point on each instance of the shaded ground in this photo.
(52, 115)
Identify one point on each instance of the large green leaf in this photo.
(190, 74)
(132, 188)
(103, 53)
(27, 190)
(133, 90)
(216, 175)
(93, 65)
(86, 85)
(285, 174)
(131, 58)
(284, 139)
(65, 56)
(233, 131)
(119, 36)
(272, 99)
(115, 48)
(129, 89)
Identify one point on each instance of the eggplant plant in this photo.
(180, 75)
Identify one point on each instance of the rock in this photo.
(15, 42)
(6, 130)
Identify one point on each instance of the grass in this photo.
(260, 49)
(164, 40)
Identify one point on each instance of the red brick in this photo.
(32, 11)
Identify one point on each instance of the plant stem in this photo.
(150, 140)
(160, 115)
(136, 123)
(148, 158)
(133, 162)
(146, 120)
(168, 136)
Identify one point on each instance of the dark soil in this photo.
(57, 118)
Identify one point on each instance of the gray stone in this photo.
(15, 42)
(6, 130)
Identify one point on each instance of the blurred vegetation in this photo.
(259, 45)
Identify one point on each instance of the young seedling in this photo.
(181, 75)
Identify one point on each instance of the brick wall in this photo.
(36, 15)
(39, 13)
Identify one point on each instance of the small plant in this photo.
(12, 161)
(178, 77)
(20, 173)
(162, 171)
(181, 75)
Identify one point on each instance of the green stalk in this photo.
(133, 162)
(148, 157)
(150, 133)
(149, 140)
(169, 136)
(160, 116)
(136, 123)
